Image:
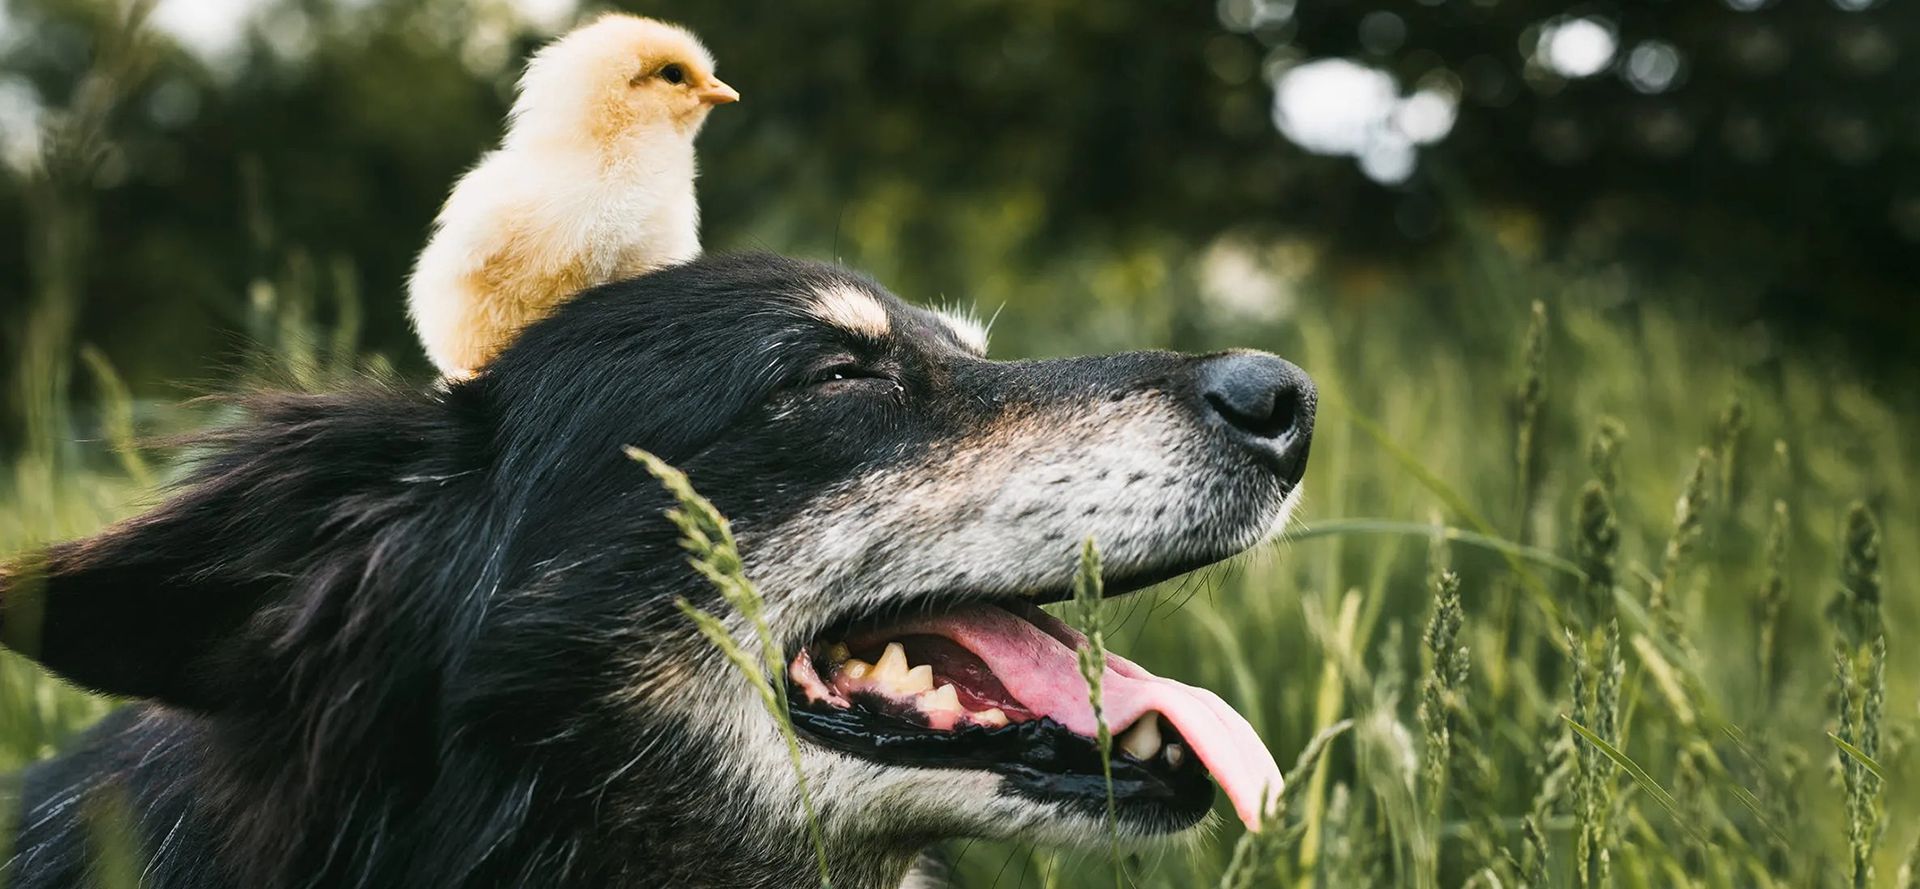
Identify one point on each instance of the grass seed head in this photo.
(1603, 452)
(708, 539)
(1728, 434)
(1598, 538)
(1446, 676)
(1689, 512)
(1773, 595)
(1855, 607)
(1528, 398)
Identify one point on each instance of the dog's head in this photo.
(484, 570)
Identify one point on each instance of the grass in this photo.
(1089, 618)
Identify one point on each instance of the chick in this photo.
(593, 182)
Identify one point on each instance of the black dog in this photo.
(429, 639)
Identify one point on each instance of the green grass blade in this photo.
(1428, 478)
(1858, 755)
(1640, 776)
(1492, 543)
(1757, 810)
(1536, 589)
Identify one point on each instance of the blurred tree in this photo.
(1770, 147)
(1771, 151)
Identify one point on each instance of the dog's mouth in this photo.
(998, 686)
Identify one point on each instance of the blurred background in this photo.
(1714, 204)
(1761, 158)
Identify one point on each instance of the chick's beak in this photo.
(717, 93)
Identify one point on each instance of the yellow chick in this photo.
(593, 182)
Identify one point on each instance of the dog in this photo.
(396, 638)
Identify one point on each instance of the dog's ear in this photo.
(128, 612)
(187, 603)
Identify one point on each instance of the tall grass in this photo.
(1089, 590)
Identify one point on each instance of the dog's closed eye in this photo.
(839, 372)
(843, 374)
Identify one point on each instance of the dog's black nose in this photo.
(1268, 404)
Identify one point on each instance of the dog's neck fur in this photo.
(668, 823)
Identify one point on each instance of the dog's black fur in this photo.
(405, 639)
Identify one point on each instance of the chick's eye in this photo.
(673, 74)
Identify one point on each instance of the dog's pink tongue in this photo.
(1033, 656)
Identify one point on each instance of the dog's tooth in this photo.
(943, 698)
(855, 668)
(1174, 754)
(837, 652)
(1142, 740)
(917, 680)
(991, 718)
(891, 668)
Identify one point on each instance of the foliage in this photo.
(930, 141)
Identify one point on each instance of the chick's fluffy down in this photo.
(594, 182)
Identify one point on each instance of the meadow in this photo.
(1592, 591)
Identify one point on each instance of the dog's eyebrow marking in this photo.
(852, 309)
(966, 327)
